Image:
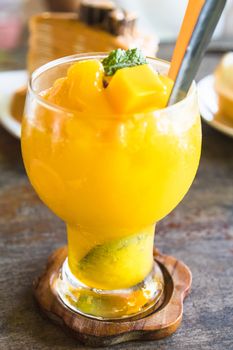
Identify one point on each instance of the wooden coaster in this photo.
(159, 324)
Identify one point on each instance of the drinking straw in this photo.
(199, 22)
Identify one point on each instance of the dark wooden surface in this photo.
(199, 231)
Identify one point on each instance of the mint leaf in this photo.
(119, 59)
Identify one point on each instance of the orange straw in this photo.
(190, 19)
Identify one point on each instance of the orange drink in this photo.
(106, 156)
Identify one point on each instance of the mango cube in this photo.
(137, 89)
(84, 79)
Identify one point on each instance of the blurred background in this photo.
(199, 231)
(153, 16)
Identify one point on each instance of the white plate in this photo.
(208, 102)
(10, 81)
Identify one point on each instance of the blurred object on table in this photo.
(209, 107)
(224, 85)
(97, 26)
(62, 5)
(17, 103)
(11, 82)
(216, 96)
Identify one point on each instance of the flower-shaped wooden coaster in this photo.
(158, 324)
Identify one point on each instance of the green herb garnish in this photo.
(119, 59)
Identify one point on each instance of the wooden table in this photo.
(199, 231)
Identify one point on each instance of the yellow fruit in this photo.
(137, 88)
(85, 81)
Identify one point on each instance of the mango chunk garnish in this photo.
(130, 90)
(82, 89)
(85, 78)
(138, 88)
(85, 81)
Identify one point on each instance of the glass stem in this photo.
(110, 264)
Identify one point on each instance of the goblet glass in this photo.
(110, 178)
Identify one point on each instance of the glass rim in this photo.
(82, 56)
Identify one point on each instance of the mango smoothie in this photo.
(106, 156)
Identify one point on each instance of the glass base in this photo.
(110, 304)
